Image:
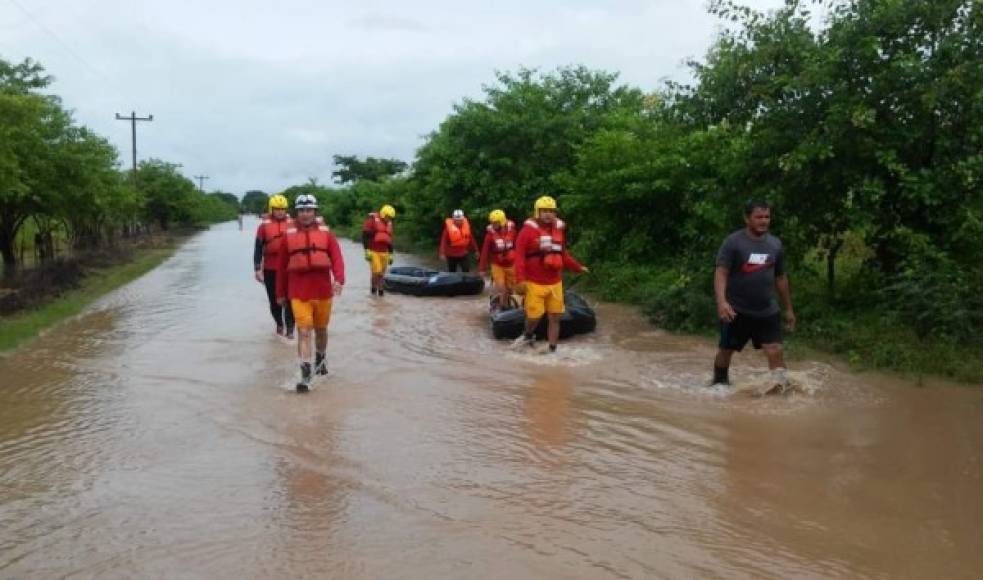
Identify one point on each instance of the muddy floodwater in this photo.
(157, 435)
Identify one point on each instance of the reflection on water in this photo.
(547, 410)
(156, 435)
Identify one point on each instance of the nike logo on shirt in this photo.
(756, 263)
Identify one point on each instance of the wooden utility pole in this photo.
(133, 122)
(201, 181)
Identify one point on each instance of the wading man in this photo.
(541, 256)
(311, 274)
(457, 242)
(750, 268)
(377, 240)
(498, 250)
(266, 260)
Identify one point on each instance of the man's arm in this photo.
(570, 263)
(782, 286)
(785, 295)
(725, 261)
(724, 310)
(258, 255)
(337, 261)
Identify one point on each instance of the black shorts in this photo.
(463, 263)
(734, 335)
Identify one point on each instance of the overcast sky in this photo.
(261, 94)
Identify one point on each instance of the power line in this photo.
(133, 122)
(62, 43)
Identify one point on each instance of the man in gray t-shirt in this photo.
(752, 265)
(750, 268)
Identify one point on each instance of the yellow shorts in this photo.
(379, 263)
(503, 276)
(542, 299)
(311, 313)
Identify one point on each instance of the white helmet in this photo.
(305, 201)
(458, 214)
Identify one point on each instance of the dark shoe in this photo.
(320, 364)
(721, 376)
(279, 331)
(305, 378)
(374, 291)
(381, 292)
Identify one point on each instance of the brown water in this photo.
(156, 436)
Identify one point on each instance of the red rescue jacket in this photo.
(541, 253)
(311, 257)
(458, 237)
(499, 246)
(307, 249)
(456, 242)
(380, 233)
(271, 232)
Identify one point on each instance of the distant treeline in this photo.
(60, 180)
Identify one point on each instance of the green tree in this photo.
(870, 124)
(88, 187)
(209, 208)
(169, 197)
(32, 127)
(63, 176)
(24, 77)
(514, 145)
(351, 169)
(255, 201)
(229, 199)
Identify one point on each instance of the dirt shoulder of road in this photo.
(37, 299)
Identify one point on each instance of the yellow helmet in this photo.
(387, 211)
(545, 202)
(278, 201)
(497, 217)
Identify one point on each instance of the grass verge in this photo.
(18, 328)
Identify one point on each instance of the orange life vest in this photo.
(551, 244)
(383, 230)
(503, 243)
(273, 230)
(459, 237)
(308, 248)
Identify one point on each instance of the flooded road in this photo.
(157, 436)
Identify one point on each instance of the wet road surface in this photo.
(157, 435)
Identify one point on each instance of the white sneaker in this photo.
(779, 381)
(780, 376)
(522, 342)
